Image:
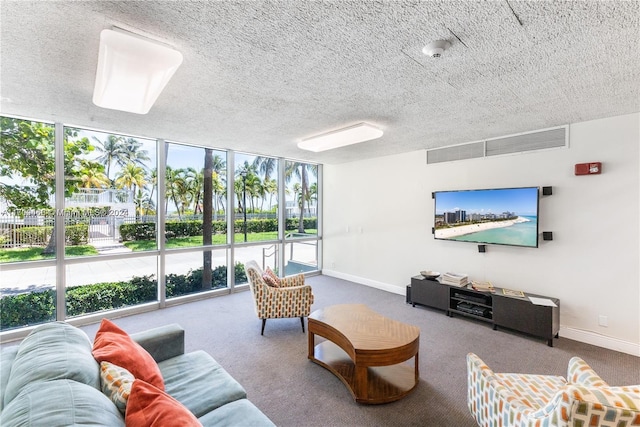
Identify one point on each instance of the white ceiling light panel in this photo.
(132, 71)
(360, 132)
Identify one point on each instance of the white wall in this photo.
(378, 216)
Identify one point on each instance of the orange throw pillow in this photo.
(114, 345)
(149, 406)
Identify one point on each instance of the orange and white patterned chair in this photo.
(519, 400)
(276, 297)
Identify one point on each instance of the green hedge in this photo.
(147, 230)
(27, 309)
(39, 307)
(138, 231)
(110, 295)
(39, 235)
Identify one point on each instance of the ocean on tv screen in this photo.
(518, 234)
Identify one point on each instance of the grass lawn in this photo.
(191, 241)
(35, 254)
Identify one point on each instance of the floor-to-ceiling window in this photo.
(93, 221)
(301, 238)
(27, 222)
(256, 210)
(195, 212)
(110, 208)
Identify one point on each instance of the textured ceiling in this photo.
(260, 76)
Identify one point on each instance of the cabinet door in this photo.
(429, 293)
(524, 316)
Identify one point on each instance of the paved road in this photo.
(96, 271)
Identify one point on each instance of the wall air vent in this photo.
(520, 143)
(456, 152)
(553, 138)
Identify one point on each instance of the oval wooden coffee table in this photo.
(366, 351)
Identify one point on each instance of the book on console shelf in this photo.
(454, 279)
(482, 286)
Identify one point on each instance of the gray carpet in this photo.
(293, 391)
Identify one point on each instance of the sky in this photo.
(522, 201)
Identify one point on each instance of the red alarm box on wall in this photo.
(592, 168)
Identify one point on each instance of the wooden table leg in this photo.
(361, 386)
(312, 343)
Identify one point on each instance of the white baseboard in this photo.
(587, 337)
(593, 338)
(368, 282)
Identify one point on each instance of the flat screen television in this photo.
(500, 216)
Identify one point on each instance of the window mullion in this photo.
(59, 223)
(161, 150)
(282, 213)
(231, 221)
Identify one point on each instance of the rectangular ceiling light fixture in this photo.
(339, 138)
(132, 71)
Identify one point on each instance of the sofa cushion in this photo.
(199, 382)
(60, 403)
(150, 406)
(238, 413)
(7, 356)
(52, 351)
(115, 383)
(114, 345)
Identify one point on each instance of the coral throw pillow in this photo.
(114, 345)
(270, 278)
(149, 406)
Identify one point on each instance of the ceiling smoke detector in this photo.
(436, 49)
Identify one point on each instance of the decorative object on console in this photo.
(481, 286)
(512, 293)
(431, 275)
(454, 279)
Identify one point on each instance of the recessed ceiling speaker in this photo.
(436, 49)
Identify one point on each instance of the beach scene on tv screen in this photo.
(500, 216)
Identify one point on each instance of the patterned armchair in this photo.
(515, 400)
(278, 297)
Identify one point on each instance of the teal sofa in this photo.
(52, 379)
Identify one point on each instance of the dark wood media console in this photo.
(511, 312)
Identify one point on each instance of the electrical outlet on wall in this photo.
(603, 321)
